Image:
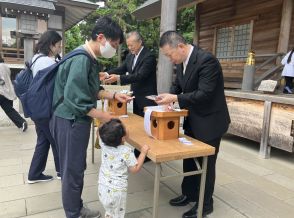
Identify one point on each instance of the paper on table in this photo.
(124, 116)
(147, 118)
(185, 141)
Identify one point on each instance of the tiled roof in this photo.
(74, 10)
(33, 3)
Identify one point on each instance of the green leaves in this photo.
(120, 10)
(73, 38)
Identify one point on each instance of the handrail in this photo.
(270, 71)
(267, 74)
(12, 49)
(268, 61)
(245, 56)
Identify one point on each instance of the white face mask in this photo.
(107, 51)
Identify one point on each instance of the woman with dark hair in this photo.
(7, 95)
(288, 71)
(46, 51)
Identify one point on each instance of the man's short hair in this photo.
(112, 132)
(171, 38)
(109, 28)
(136, 34)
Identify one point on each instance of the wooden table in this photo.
(162, 151)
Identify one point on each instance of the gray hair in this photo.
(171, 38)
(136, 34)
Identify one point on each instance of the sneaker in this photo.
(58, 176)
(24, 126)
(87, 213)
(287, 90)
(42, 178)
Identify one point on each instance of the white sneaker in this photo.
(87, 213)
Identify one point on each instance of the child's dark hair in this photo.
(111, 132)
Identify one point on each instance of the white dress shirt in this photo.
(136, 58)
(185, 63)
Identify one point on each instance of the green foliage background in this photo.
(120, 10)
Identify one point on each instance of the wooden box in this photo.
(116, 107)
(166, 124)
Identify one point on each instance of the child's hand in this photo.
(145, 149)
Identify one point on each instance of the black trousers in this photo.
(289, 81)
(14, 116)
(191, 184)
(72, 139)
(44, 140)
(136, 109)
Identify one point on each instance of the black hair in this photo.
(290, 56)
(112, 132)
(1, 59)
(109, 28)
(171, 38)
(47, 39)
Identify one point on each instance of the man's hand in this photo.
(166, 98)
(112, 78)
(122, 97)
(103, 76)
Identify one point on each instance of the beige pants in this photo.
(113, 201)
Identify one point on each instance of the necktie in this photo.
(134, 62)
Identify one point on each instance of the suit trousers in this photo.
(14, 116)
(137, 110)
(44, 140)
(72, 139)
(191, 184)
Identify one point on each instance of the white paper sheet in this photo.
(147, 118)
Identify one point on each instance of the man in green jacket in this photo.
(78, 84)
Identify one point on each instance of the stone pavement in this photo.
(246, 186)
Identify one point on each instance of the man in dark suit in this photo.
(140, 65)
(198, 87)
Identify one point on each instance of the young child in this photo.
(117, 159)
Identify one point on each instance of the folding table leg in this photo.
(93, 140)
(202, 187)
(156, 190)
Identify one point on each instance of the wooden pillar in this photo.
(168, 22)
(197, 25)
(28, 26)
(285, 26)
(28, 48)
